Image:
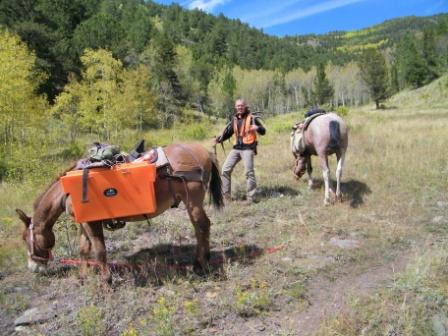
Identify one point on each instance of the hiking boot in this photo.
(227, 198)
(249, 201)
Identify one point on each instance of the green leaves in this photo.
(20, 106)
(107, 98)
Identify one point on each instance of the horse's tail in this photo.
(215, 186)
(335, 135)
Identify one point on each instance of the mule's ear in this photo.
(23, 216)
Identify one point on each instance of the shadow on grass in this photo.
(163, 263)
(167, 261)
(264, 192)
(277, 191)
(353, 191)
(61, 271)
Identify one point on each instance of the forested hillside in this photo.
(98, 67)
(117, 71)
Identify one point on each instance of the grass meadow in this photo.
(282, 272)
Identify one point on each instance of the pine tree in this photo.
(162, 62)
(374, 73)
(323, 91)
(394, 82)
(430, 54)
(412, 67)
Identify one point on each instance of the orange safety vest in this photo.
(248, 137)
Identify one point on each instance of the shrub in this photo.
(73, 151)
(342, 111)
(90, 321)
(163, 318)
(253, 301)
(3, 169)
(195, 132)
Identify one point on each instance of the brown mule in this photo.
(38, 232)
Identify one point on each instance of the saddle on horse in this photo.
(298, 146)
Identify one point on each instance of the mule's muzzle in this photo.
(37, 267)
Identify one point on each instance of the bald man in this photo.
(243, 128)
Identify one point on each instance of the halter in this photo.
(31, 252)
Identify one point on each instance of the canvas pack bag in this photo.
(100, 152)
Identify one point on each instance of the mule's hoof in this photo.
(199, 269)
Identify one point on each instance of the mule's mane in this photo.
(39, 198)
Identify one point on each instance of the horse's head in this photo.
(300, 166)
(39, 242)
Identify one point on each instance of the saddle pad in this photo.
(311, 118)
(184, 163)
(156, 156)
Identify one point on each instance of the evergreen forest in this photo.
(97, 68)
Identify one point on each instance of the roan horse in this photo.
(40, 239)
(325, 135)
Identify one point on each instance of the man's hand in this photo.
(253, 128)
(216, 140)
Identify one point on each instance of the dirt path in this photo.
(327, 298)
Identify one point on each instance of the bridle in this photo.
(32, 239)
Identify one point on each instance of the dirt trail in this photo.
(330, 297)
(326, 298)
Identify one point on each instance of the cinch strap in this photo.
(85, 176)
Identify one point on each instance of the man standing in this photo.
(244, 127)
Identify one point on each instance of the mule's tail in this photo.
(215, 186)
(335, 135)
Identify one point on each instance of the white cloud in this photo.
(301, 13)
(206, 5)
(272, 8)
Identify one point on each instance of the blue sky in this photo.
(295, 17)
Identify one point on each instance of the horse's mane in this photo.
(39, 198)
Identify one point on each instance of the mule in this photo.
(40, 239)
(325, 135)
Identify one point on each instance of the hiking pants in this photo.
(235, 155)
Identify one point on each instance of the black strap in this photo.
(85, 176)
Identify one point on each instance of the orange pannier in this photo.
(125, 190)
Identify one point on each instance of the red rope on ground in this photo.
(117, 265)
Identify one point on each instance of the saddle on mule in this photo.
(106, 185)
